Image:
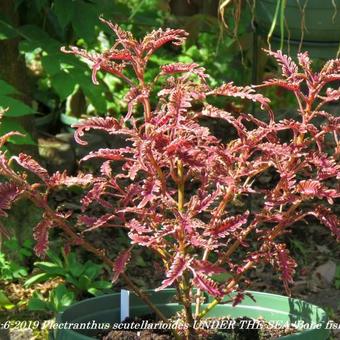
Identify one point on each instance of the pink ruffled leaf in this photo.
(285, 263)
(40, 234)
(4, 232)
(160, 37)
(203, 282)
(9, 192)
(61, 178)
(247, 92)
(287, 64)
(229, 225)
(206, 267)
(108, 154)
(327, 218)
(120, 264)
(94, 223)
(33, 166)
(304, 61)
(94, 195)
(183, 68)
(108, 124)
(177, 268)
(150, 189)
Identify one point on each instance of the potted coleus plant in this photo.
(182, 193)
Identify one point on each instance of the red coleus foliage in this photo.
(182, 192)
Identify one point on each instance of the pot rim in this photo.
(322, 317)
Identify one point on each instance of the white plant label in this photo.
(124, 304)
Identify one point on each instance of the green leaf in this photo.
(64, 84)
(95, 291)
(5, 303)
(12, 244)
(50, 268)
(61, 297)
(28, 244)
(18, 271)
(36, 304)
(95, 94)
(84, 20)
(140, 261)
(222, 277)
(64, 10)
(25, 252)
(37, 38)
(74, 281)
(84, 282)
(6, 88)
(66, 300)
(71, 260)
(39, 4)
(33, 33)
(16, 108)
(41, 277)
(7, 31)
(102, 284)
(55, 258)
(92, 270)
(10, 124)
(46, 264)
(53, 63)
(77, 270)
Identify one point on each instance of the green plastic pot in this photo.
(321, 19)
(315, 49)
(106, 309)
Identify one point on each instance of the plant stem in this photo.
(187, 306)
(159, 171)
(227, 197)
(100, 254)
(147, 110)
(236, 243)
(272, 27)
(186, 288)
(180, 173)
(275, 233)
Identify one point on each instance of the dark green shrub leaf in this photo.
(64, 11)
(7, 31)
(6, 89)
(16, 108)
(84, 20)
(10, 124)
(63, 84)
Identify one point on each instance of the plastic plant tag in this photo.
(124, 304)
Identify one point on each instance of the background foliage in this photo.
(38, 84)
(41, 81)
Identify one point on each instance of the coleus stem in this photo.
(277, 231)
(226, 198)
(100, 254)
(185, 281)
